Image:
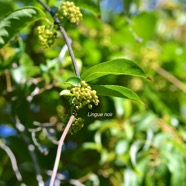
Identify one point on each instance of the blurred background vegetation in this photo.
(133, 146)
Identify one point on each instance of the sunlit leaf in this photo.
(121, 147)
(134, 151)
(65, 93)
(89, 6)
(117, 91)
(75, 81)
(130, 178)
(176, 167)
(92, 146)
(144, 25)
(119, 66)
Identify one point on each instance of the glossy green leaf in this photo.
(119, 66)
(75, 81)
(65, 93)
(117, 91)
(14, 22)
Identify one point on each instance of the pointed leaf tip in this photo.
(119, 66)
(117, 91)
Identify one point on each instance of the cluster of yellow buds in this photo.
(46, 36)
(150, 57)
(70, 11)
(84, 95)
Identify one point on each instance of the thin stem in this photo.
(65, 36)
(13, 160)
(134, 34)
(63, 136)
(59, 149)
(31, 148)
(175, 81)
(68, 41)
(8, 81)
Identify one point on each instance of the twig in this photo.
(13, 160)
(84, 178)
(61, 55)
(42, 128)
(175, 81)
(38, 90)
(59, 149)
(50, 137)
(8, 81)
(63, 136)
(31, 149)
(134, 34)
(65, 36)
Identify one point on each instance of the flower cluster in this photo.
(77, 125)
(46, 36)
(84, 95)
(70, 11)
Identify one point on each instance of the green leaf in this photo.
(116, 91)
(66, 93)
(134, 151)
(144, 25)
(75, 81)
(89, 6)
(119, 66)
(5, 7)
(131, 177)
(92, 146)
(14, 22)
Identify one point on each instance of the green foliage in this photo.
(80, 94)
(145, 25)
(13, 23)
(116, 67)
(119, 142)
(5, 7)
(74, 81)
(116, 91)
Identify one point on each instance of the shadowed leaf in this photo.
(14, 22)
